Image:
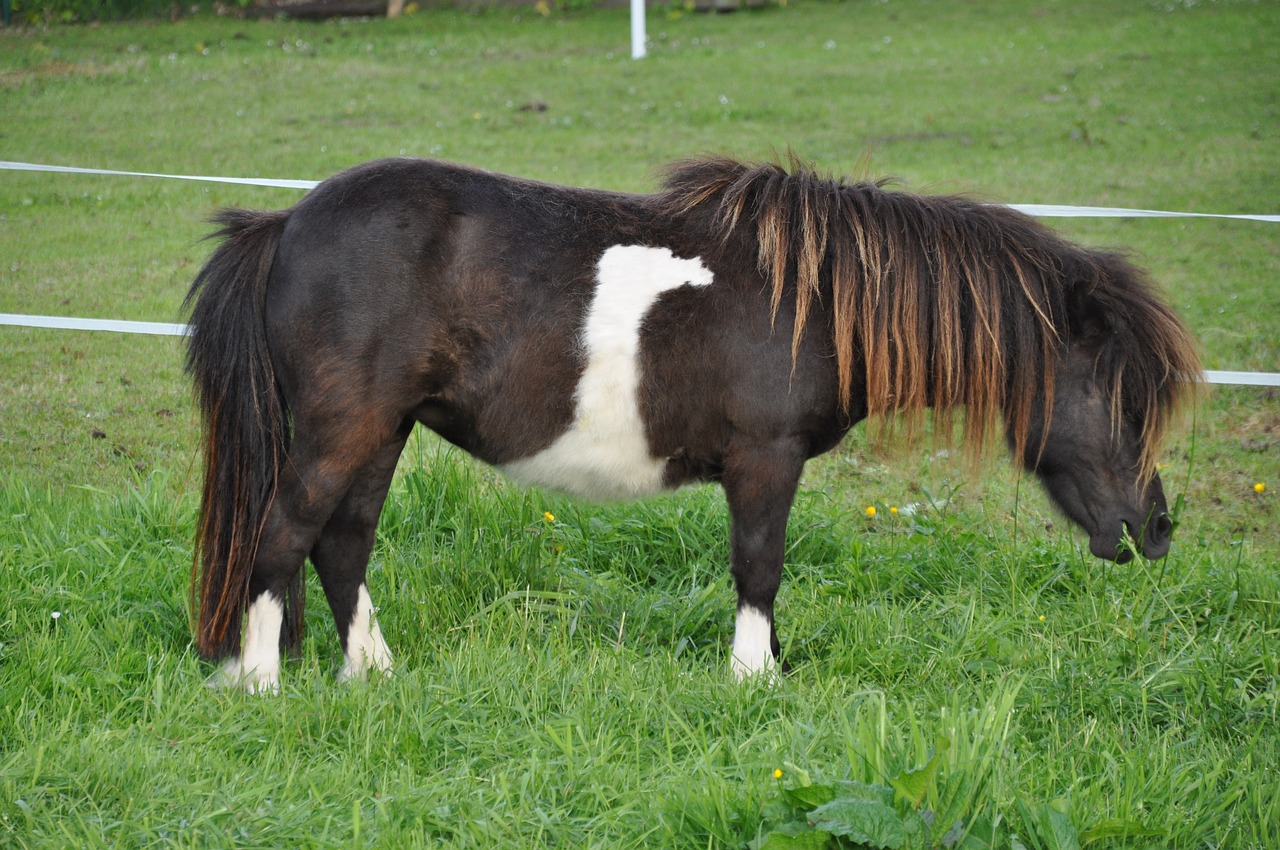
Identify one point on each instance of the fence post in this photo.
(637, 29)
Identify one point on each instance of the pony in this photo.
(726, 328)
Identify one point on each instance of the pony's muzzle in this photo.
(1157, 537)
(1152, 539)
(1126, 539)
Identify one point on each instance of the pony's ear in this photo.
(1088, 322)
(1092, 327)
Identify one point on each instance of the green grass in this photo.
(564, 683)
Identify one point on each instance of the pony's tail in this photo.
(245, 428)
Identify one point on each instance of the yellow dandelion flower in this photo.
(1259, 487)
(871, 510)
(1042, 618)
(894, 511)
(777, 773)
(548, 516)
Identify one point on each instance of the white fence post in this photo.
(637, 29)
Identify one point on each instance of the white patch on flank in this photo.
(604, 455)
(752, 644)
(365, 646)
(257, 670)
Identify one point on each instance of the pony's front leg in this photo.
(760, 484)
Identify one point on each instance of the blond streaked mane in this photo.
(945, 302)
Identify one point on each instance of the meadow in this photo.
(964, 673)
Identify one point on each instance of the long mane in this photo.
(945, 302)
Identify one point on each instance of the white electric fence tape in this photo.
(1040, 210)
(241, 181)
(1253, 379)
(74, 324)
(1244, 379)
(1060, 211)
(1256, 379)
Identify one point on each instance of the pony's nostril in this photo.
(1163, 526)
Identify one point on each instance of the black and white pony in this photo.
(727, 328)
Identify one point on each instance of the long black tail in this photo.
(246, 427)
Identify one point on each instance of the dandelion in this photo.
(1042, 618)
(548, 516)
(894, 510)
(1259, 487)
(777, 773)
(871, 510)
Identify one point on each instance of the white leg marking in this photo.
(365, 646)
(752, 644)
(257, 670)
(604, 456)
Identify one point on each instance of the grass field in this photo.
(563, 683)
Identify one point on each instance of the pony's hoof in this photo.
(232, 675)
(767, 673)
(350, 674)
(379, 665)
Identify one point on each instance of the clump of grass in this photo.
(576, 692)
(907, 785)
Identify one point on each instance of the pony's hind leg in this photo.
(302, 503)
(257, 668)
(313, 481)
(341, 559)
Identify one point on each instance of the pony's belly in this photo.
(590, 465)
(604, 455)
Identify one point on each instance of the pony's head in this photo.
(1125, 367)
(1093, 471)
